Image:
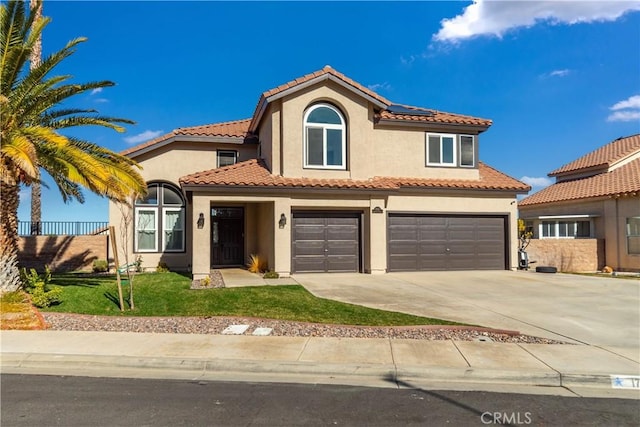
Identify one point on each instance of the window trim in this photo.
(628, 235)
(159, 209)
(556, 228)
(164, 228)
(473, 151)
(324, 126)
(235, 157)
(455, 144)
(154, 209)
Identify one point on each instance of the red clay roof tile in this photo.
(436, 117)
(254, 173)
(233, 129)
(604, 156)
(622, 181)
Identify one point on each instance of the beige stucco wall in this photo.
(371, 150)
(609, 224)
(168, 164)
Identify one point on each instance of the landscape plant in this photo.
(42, 295)
(34, 109)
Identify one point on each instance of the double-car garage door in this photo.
(438, 242)
(331, 242)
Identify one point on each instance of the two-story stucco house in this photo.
(326, 176)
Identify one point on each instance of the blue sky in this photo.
(558, 79)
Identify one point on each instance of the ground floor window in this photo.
(633, 235)
(159, 220)
(566, 229)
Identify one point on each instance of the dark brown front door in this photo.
(227, 236)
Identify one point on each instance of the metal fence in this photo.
(62, 228)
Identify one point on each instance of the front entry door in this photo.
(227, 236)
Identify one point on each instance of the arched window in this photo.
(159, 220)
(324, 138)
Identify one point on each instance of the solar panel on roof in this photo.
(399, 109)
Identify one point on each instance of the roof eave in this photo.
(188, 138)
(432, 125)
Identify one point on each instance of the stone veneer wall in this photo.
(61, 253)
(571, 255)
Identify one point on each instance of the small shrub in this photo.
(205, 281)
(138, 264)
(271, 275)
(162, 267)
(257, 264)
(38, 287)
(100, 266)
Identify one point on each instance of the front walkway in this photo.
(240, 277)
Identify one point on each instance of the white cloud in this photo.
(407, 61)
(631, 102)
(490, 17)
(379, 86)
(101, 100)
(559, 73)
(96, 91)
(627, 110)
(537, 182)
(144, 136)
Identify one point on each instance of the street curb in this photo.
(127, 366)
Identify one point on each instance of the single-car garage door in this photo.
(325, 242)
(436, 242)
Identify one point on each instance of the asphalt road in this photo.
(29, 400)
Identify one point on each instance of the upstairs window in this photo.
(159, 220)
(226, 158)
(324, 138)
(450, 150)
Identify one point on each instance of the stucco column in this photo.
(378, 236)
(201, 237)
(282, 237)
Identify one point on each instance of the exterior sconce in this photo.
(283, 221)
(377, 209)
(200, 220)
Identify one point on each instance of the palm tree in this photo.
(34, 61)
(30, 119)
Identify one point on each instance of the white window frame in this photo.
(629, 235)
(137, 230)
(164, 229)
(454, 147)
(473, 151)
(235, 156)
(572, 223)
(324, 126)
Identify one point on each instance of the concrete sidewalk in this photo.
(556, 369)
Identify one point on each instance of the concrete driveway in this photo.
(590, 310)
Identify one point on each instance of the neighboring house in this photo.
(591, 216)
(326, 176)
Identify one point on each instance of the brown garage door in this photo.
(434, 242)
(325, 242)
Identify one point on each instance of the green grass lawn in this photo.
(168, 294)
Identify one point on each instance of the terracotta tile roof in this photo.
(254, 173)
(438, 116)
(326, 70)
(623, 181)
(604, 156)
(233, 129)
(435, 117)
